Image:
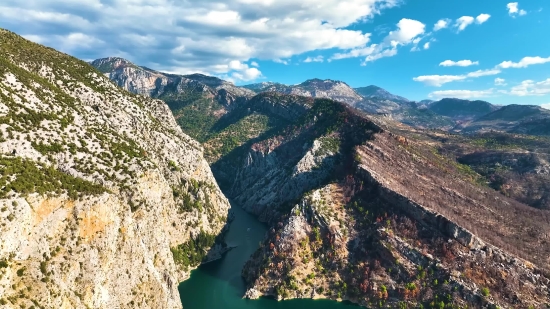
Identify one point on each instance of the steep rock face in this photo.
(96, 188)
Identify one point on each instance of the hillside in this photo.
(461, 110)
(104, 202)
(524, 119)
(360, 213)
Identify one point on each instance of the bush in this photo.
(485, 291)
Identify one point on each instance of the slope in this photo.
(100, 191)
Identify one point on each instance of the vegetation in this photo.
(193, 252)
(24, 176)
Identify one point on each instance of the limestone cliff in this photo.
(100, 191)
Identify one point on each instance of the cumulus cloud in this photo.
(513, 9)
(427, 45)
(523, 63)
(460, 63)
(199, 36)
(408, 32)
(531, 88)
(315, 59)
(439, 80)
(442, 24)
(481, 18)
(464, 21)
(461, 94)
(500, 82)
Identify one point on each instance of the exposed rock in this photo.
(89, 219)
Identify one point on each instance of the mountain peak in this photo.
(373, 91)
(109, 64)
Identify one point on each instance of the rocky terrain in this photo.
(364, 208)
(104, 202)
(397, 224)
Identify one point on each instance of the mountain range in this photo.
(115, 183)
(447, 114)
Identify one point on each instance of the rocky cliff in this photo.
(103, 199)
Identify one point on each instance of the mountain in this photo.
(197, 100)
(377, 92)
(104, 201)
(366, 209)
(524, 119)
(358, 211)
(462, 110)
(316, 88)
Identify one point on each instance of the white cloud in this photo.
(464, 22)
(513, 9)
(427, 45)
(254, 64)
(438, 80)
(523, 63)
(461, 94)
(481, 18)
(442, 24)
(408, 32)
(460, 63)
(480, 73)
(281, 61)
(315, 59)
(201, 36)
(500, 82)
(531, 88)
(547, 106)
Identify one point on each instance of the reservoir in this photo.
(219, 285)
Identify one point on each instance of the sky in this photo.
(492, 50)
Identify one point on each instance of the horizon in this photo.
(423, 50)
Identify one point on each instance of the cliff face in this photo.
(100, 191)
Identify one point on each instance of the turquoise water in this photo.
(218, 285)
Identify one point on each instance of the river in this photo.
(219, 285)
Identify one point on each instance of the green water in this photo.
(218, 285)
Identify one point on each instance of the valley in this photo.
(116, 182)
(347, 217)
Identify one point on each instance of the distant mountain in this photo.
(525, 119)
(197, 100)
(315, 88)
(377, 92)
(462, 110)
(145, 81)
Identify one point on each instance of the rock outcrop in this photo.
(96, 187)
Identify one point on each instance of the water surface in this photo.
(219, 285)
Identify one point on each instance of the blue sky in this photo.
(494, 50)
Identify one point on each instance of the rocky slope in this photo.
(104, 202)
(396, 224)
